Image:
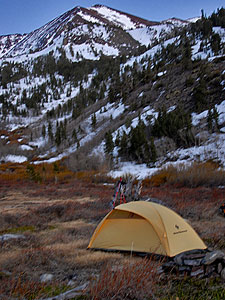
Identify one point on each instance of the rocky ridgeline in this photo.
(197, 263)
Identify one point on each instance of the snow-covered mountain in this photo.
(88, 30)
(96, 70)
(79, 26)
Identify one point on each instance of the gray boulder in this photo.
(222, 274)
(211, 257)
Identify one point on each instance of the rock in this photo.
(197, 264)
(211, 257)
(9, 236)
(184, 269)
(222, 274)
(199, 271)
(46, 277)
(219, 268)
(178, 259)
(210, 269)
(160, 270)
(71, 283)
(169, 266)
(192, 262)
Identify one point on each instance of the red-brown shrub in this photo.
(132, 280)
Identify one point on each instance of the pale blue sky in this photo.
(23, 16)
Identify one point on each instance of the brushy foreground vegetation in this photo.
(198, 174)
(57, 215)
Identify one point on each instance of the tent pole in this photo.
(132, 248)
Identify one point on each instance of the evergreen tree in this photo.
(117, 140)
(76, 112)
(138, 148)
(43, 131)
(186, 59)
(50, 134)
(153, 150)
(200, 96)
(78, 144)
(6, 75)
(58, 138)
(63, 126)
(123, 145)
(215, 116)
(111, 95)
(74, 135)
(216, 43)
(93, 121)
(109, 144)
(175, 124)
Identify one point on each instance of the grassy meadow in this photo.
(56, 212)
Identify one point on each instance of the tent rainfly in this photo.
(147, 227)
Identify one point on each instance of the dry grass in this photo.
(56, 234)
(132, 280)
(57, 221)
(198, 174)
(41, 173)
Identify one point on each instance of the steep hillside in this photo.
(98, 82)
(9, 41)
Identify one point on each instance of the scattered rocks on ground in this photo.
(46, 277)
(10, 236)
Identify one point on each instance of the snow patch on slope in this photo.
(115, 17)
(14, 158)
(89, 18)
(149, 53)
(145, 36)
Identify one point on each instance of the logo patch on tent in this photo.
(178, 231)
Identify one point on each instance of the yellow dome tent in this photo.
(147, 227)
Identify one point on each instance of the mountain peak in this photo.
(68, 27)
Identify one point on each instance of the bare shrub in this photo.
(128, 281)
(81, 161)
(198, 174)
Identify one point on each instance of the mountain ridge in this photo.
(41, 38)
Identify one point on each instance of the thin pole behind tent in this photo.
(119, 189)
